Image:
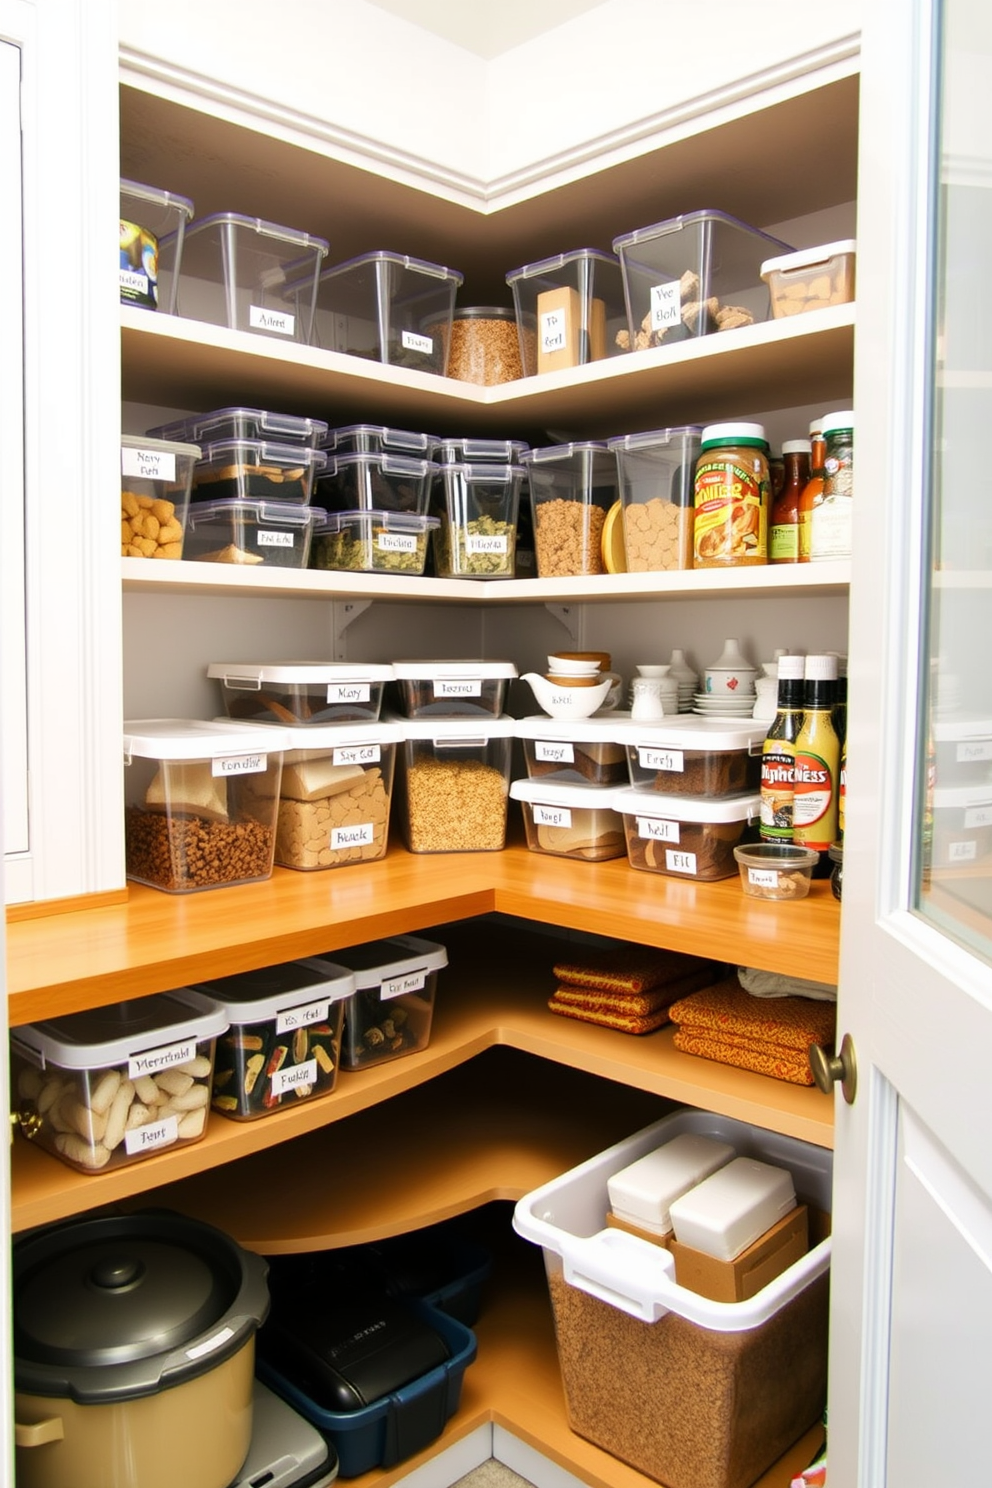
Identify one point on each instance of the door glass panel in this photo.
(954, 867)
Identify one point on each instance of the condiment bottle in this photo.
(778, 753)
(830, 517)
(783, 542)
(813, 489)
(814, 813)
(731, 497)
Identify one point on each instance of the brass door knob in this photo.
(829, 1068)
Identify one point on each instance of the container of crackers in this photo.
(335, 795)
(156, 476)
(301, 693)
(625, 987)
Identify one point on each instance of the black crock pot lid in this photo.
(118, 1307)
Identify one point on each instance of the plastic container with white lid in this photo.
(276, 533)
(570, 821)
(575, 300)
(963, 750)
(380, 480)
(246, 423)
(733, 1207)
(453, 689)
(388, 542)
(283, 1041)
(111, 1085)
(156, 476)
(644, 1191)
(256, 470)
(388, 307)
(200, 802)
(584, 751)
(685, 836)
(715, 758)
(811, 278)
(455, 783)
(148, 214)
(962, 825)
(389, 1014)
(301, 693)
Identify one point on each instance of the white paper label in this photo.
(962, 852)
(661, 759)
(301, 1017)
(361, 835)
(396, 542)
(279, 321)
(656, 829)
(356, 754)
(680, 862)
(974, 749)
(149, 464)
(666, 305)
(162, 1058)
(977, 816)
(155, 1134)
(553, 330)
(554, 754)
(552, 816)
(348, 692)
(491, 544)
(136, 283)
(410, 981)
(266, 539)
(763, 878)
(240, 764)
(293, 1075)
(457, 687)
(412, 342)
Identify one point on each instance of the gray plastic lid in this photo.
(651, 438)
(99, 1037)
(292, 428)
(260, 996)
(377, 960)
(551, 452)
(294, 235)
(499, 451)
(694, 219)
(559, 260)
(157, 196)
(406, 441)
(268, 513)
(261, 452)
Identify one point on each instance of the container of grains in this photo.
(297, 693)
(477, 507)
(574, 303)
(696, 1374)
(380, 481)
(655, 472)
(570, 821)
(454, 783)
(390, 1011)
(452, 689)
(371, 541)
(389, 308)
(572, 487)
(149, 213)
(485, 347)
(337, 785)
(685, 836)
(109, 1086)
(687, 755)
(276, 533)
(155, 483)
(200, 802)
(583, 752)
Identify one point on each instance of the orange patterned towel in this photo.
(726, 1009)
(777, 1060)
(636, 1004)
(604, 1017)
(628, 968)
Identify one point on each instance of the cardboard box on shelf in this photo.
(737, 1280)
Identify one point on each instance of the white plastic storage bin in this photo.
(301, 693)
(708, 1394)
(109, 1086)
(391, 1009)
(570, 821)
(685, 836)
(455, 783)
(156, 475)
(579, 752)
(335, 796)
(148, 214)
(388, 307)
(453, 689)
(569, 309)
(692, 756)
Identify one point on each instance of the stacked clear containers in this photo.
(156, 475)
(297, 693)
(374, 492)
(655, 472)
(477, 502)
(389, 308)
(390, 1011)
(570, 310)
(572, 488)
(149, 214)
(575, 772)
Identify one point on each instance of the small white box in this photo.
(728, 1211)
(643, 1193)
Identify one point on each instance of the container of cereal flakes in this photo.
(655, 472)
(337, 785)
(572, 488)
(455, 783)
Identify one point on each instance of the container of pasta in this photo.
(334, 800)
(389, 1012)
(684, 836)
(455, 782)
(570, 821)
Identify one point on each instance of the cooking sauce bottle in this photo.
(783, 532)
(813, 489)
(778, 753)
(814, 814)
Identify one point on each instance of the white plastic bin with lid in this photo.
(708, 1394)
(962, 750)
(148, 214)
(301, 693)
(569, 309)
(389, 1014)
(570, 821)
(388, 307)
(106, 1087)
(811, 279)
(277, 533)
(256, 470)
(156, 475)
(655, 472)
(283, 1041)
(583, 751)
(962, 825)
(453, 689)
(455, 783)
(200, 802)
(221, 424)
(685, 836)
(477, 505)
(383, 542)
(694, 756)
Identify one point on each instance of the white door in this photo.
(912, 1272)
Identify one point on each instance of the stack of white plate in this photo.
(723, 705)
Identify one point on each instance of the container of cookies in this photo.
(571, 821)
(689, 755)
(684, 836)
(148, 214)
(336, 791)
(301, 693)
(156, 477)
(655, 472)
(392, 1006)
(583, 751)
(811, 279)
(112, 1085)
(283, 1041)
(256, 470)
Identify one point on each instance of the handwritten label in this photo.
(136, 283)
(553, 330)
(553, 754)
(763, 878)
(155, 1134)
(412, 342)
(962, 852)
(457, 687)
(164, 1057)
(352, 836)
(267, 539)
(348, 692)
(666, 305)
(552, 816)
(680, 862)
(294, 1076)
(240, 764)
(493, 544)
(301, 1017)
(661, 759)
(278, 321)
(396, 542)
(977, 816)
(357, 754)
(148, 464)
(410, 981)
(656, 829)
(974, 749)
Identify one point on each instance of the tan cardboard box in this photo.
(615, 1222)
(737, 1280)
(566, 303)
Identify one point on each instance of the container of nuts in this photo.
(572, 487)
(684, 836)
(389, 1013)
(156, 477)
(112, 1085)
(655, 471)
(455, 782)
(337, 785)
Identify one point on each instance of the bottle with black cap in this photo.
(817, 775)
(778, 753)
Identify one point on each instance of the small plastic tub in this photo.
(283, 1042)
(655, 472)
(236, 271)
(570, 821)
(378, 439)
(692, 756)
(962, 825)
(371, 541)
(156, 475)
(811, 279)
(572, 488)
(335, 796)
(569, 309)
(684, 836)
(477, 506)
(579, 752)
(388, 307)
(692, 275)
(776, 870)
(390, 1011)
(375, 482)
(277, 533)
(199, 803)
(452, 689)
(256, 470)
(222, 424)
(301, 693)
(107, 1087)
(455, 783)
(148, 214)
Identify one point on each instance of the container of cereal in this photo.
(570, 821)
(221, 424)
(155, 484)
(112, 1085)
(962, 825)
(389, 308)
(452, 689)
(569, 309)
(811, 279)
(687, 755)
(283, 1041)
(655, 472)
(298, 693)
(580, 752)
(200, 802)
(477, 507)
(684, 836)
(148, 214)
(572, 487)
(256, 470)
(485, 347)
(455, 782)
(276, 533)
(337, 786)
(380, 481)
(387, 542)
(776, 870)
(390, 1011)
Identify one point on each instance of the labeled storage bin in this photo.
(454, 784)
(477, 507)
(149, 214)
(236, 272)
(199, 802)
(299, 693)
(222, 424)
(655, 473)
(688, 755)
(286, 1451)
(390, 1010)
(336, 791)
(256, 470)
(569, 309)
(380, 481)
(250, 532)
(112, 1085)
(710, 1394)
(685, 836)
(692, 275)
(156, 475)
(371, 541)
(962, 825)
(389, 308)
(570, 821)
(811, 279)
(963, 751)
(572, 488)
(283, 1040)
(580, 752)
(378, 439)
(452, 689)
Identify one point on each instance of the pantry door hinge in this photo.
(343, 613)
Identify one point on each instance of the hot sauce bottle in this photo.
(813, 489)
(814, 812)
(783, 532)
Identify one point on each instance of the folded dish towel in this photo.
(774, 984)
(629, 968)
(729, 1025)
(628, 1012)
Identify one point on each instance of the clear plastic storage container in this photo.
(389, 308)
(222, 424)
(156, 475)
(452, 689)
(109, 1086)
(655, 472)
(962, 825)
(477, 506)
(336, 791)
(371, 541)
(148, 214)
(199, 802)
(811, 279)
(570, 821)
(380, 481)
(461, 451)
(378, 439)
(250, 532)
(963, 751)
(572, 488)
(485, 345)
(569, 308)
(256, 470)
(685, 836)
(297, 693)
(579, 752)
(692, 756)
(455, 782)
(390, 1011)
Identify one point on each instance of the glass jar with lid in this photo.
(732, 496)
(830, 521)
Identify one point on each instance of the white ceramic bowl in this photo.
(564, 666)
(567, 702)
(734, 681)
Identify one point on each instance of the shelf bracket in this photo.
(344, 613)
(570, 616)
